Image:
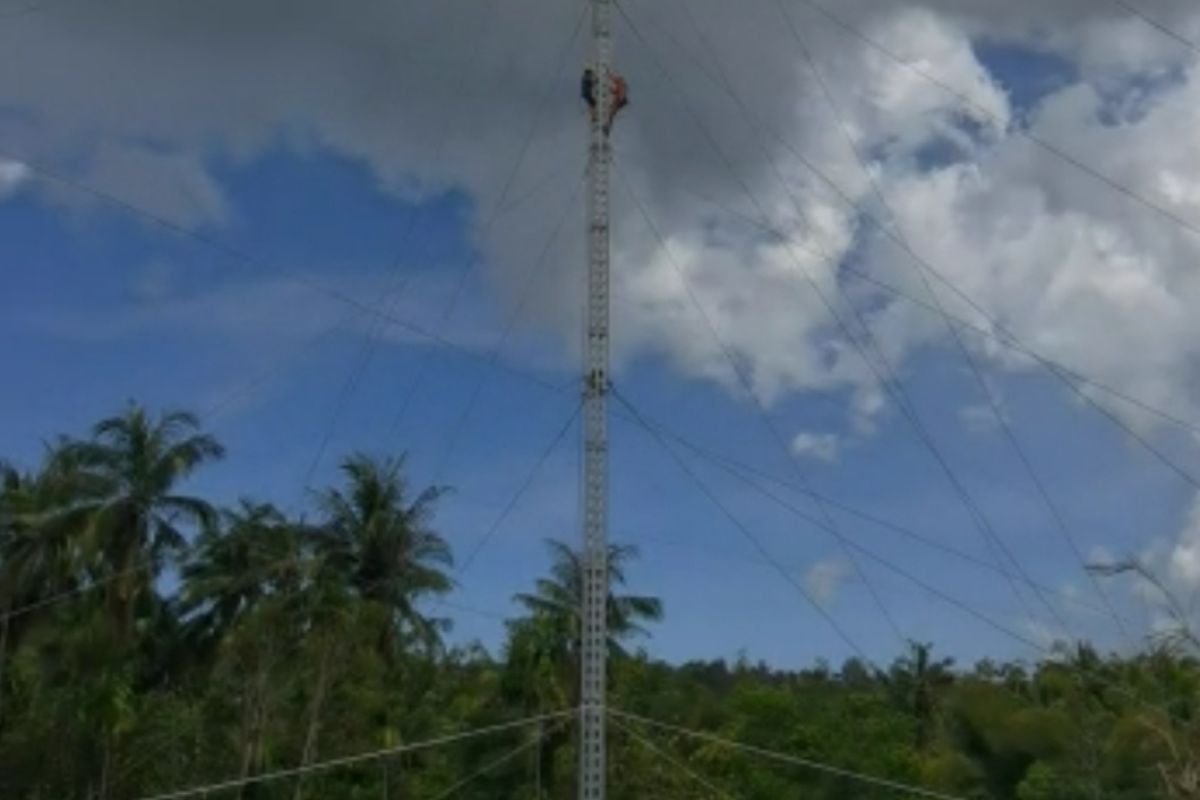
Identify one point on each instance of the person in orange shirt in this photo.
(619, 92)
(620, 99)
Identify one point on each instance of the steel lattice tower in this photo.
(594, 645)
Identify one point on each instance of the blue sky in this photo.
(100, 306)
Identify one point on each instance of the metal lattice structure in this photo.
(594, 646)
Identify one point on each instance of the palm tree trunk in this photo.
(120, 601)
(537, 762)
(105, 761)
(314, 717)
(255, 725)
(126, 587)
(547, 753)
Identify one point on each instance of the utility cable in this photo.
(1056, 515)
(246, 258)
(725, 462)
(287, 360)
(784, 758)
(887, 564)
(746, 533)
(742, 471)
(532, 280)
(495, 764)
(996, 333)
(984, 111)
(394, 292)
(347, 761)
(473, 610)
(60, 597)
(391, 296)
(989, 535)
(451, 305)
(526, 484)
(1061, 371)
(1158, 26)
(526, 145)
(672, 760)
(885, 372)
(509, 507)
(891, 566)
(892, 386)
(214, 411)
(748, 389)
(724, 347)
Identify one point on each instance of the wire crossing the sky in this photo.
(1051, 148)
(953, 325)
(491, 766)
(742, 528)
(995, 331)
(884, 374)
(522, 489)
(784, 758)
(360, 758)
(956, 336)
(748, 390)
(672, 760)
(746, 533)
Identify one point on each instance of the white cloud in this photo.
(12, 175)
(824, 578)
(980, 418)
(977, 418)
(1100, 555)
(1040, 634)
(175, 185)
(1070, 591)
(1184, 558)
(1166, 580)
(1077, 270)
(821, 446)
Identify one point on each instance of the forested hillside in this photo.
(152, 641)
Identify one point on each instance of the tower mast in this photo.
(594, 646)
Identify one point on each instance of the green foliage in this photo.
(279, 642)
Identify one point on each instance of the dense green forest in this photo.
(153, 642)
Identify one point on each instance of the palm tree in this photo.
(252, 555)
(379, 543)
(244, 598)
(41, 519)
(22, 563)
(40, 523)
(11, 489)
(44, 518)
(543, 648)
(135, 524)
(376, 553)
(918, 682)
(559, 598)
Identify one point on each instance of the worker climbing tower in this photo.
(594, 645)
